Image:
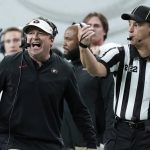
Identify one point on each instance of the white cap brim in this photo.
(41, 24)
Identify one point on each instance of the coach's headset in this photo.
(52, 25)
(39, 22)
(2, 50)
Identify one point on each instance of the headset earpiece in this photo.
(24, 43)
(23, 39)
(2, 49)
(53, 26)
(55, 31)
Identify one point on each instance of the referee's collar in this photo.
(135, 54)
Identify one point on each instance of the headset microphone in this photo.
(129, 38)
(24, 45)
(139, 40)
(28, 44)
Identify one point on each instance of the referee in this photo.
(130, 65)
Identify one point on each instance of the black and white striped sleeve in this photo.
(110, 59)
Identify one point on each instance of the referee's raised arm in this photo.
(87, 58)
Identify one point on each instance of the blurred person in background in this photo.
(98, 46)
(96, 93)
(11, 40)
(100, 25)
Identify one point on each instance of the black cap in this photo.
(139, 14)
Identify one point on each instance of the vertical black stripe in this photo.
(119, 74)
(140, 90)
(126, 91)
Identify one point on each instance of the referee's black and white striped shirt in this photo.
(132, 82)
